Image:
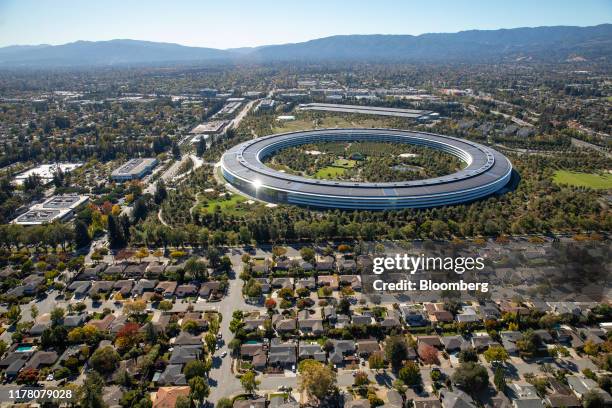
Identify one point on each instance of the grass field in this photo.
(329, 172)
(344, 163)
(591, 180)
(227, 206)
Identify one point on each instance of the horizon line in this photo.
(297, 42)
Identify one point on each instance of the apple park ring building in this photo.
(487, 172)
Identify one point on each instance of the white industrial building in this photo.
(134, 169)
(46, 172)
(59, 207)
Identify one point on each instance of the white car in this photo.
(223, 354)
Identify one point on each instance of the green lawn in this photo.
(227, 206)
(329, 172)
(591, 180)
(347, 164)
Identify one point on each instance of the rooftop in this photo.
(214, 126)
(135, 166)
(368, 110)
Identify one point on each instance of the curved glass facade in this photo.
(487, 172)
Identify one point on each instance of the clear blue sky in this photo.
(240, 23)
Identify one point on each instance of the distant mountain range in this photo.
(556, 44)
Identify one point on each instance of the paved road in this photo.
(223, 383)
(236, 121)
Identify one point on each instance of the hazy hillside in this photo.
(541, 43)
(114, 52)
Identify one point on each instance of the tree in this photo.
(308, 254)
(196, 268)
(81, 234)
(3, 347)
(160, 192)
(165, 305)
(158, 253)
(396, 351)
(13, 314)
(590, 348)
(316, 379)
(286, 293)
(499, 379)
(116, 236)
(253, 288)
(90, 393)
(134, 307)
(604, 382)
(344, 306)
(210, 341)
(96, 256)
(303, 292)
(176, 151)
(105, 360)
(28, 375)
(122, 377)
(468, 355)
(128, 336)
(278, 251)
(592, 399)
(410, 374)
(496, 353)
(195, 368)
(201, 146)
(361, 378)
(270, 303)
(428, 353)
(182, 402)
(224, 403)
(34, 311)
(234, 345)
(199, 389)
(528, 344)
(53, 337)
(471, 377)
(57, 316)
(141, 254)
(249, 382)
(87, 333)
(376, 361)
(139, 209)
(245, 236)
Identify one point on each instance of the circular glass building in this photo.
(487, 171)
